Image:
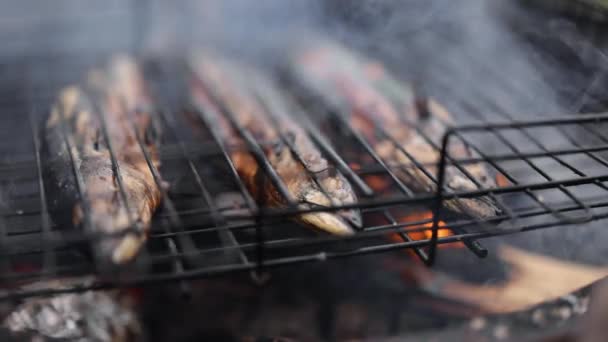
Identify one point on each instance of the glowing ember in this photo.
(502, 181)
(136, 294)
(378, 183)
(25, 268)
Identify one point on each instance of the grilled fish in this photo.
(74, 137)
(374, 102)
(262, 111)
(101, 316)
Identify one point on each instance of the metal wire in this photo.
(193, 225)
(220, 219)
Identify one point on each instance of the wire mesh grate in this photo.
(211, 225)
(551, 172)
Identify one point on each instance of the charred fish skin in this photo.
(74, 144)
(217, 79)
(367, 96)
(101, 316)
(333, 184)
(59, 181)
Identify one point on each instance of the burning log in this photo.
(534, 279)
(594, 326)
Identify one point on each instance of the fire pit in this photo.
(219, 263)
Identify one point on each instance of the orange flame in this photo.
(380, 184)
(424, 234)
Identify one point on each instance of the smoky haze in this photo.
(464, 53)
(438, 44)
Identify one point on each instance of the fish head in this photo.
(341, 222)
(115, 235)
(476, 208)
(116, 239)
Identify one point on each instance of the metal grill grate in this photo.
(553, 172)
(194, 236)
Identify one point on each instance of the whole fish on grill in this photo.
(100, 316)
(77, 158)
(260, 107)
(396, 123)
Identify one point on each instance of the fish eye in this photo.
(291, 136)
(277, 146)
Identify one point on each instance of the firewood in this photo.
(533, 279)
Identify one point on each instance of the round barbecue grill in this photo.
(519, 115)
